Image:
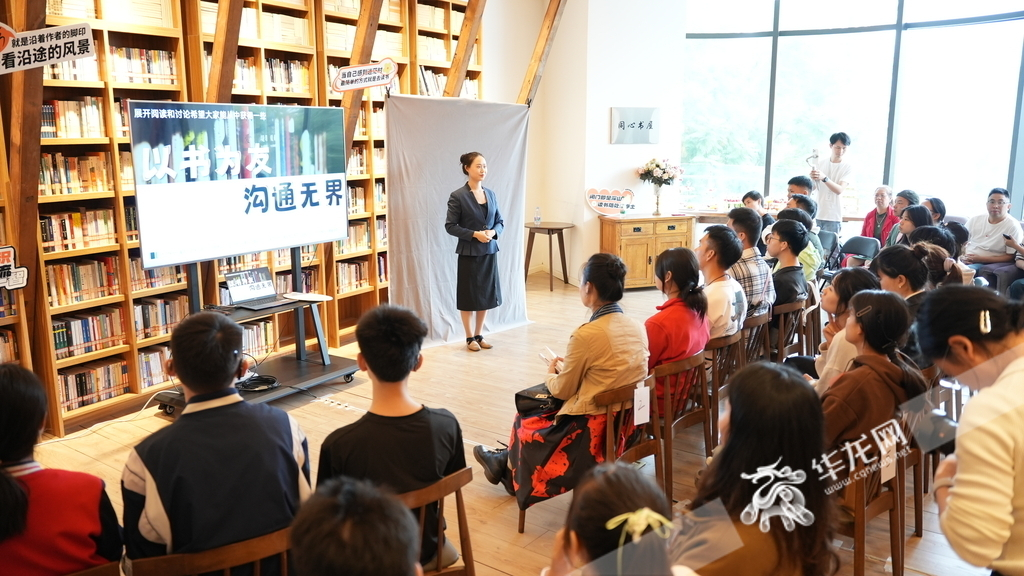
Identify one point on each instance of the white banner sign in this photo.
(21, 51)
(365, 76)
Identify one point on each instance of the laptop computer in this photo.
(253, 289)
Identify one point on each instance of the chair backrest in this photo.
(619, 415)
(436, 492)
(829, 247)
(247, 552)
(677, 380)
(812, 335)
(789, 316)
(108, 569)
(727, 356)
(862, 246)
(756, 339)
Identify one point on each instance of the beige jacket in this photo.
(602, 355)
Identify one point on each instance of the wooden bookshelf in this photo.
(14, 337)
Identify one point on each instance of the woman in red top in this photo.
(52, 522)
(680, 328)
(882, 218)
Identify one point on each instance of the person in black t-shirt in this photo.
(398, 443)
(787, 239)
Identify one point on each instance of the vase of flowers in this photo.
(660, 173)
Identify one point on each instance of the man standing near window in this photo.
(831, 177)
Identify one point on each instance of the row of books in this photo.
(430, 16)
(73, 118)
(353, 275)
(361, 123)
(143, 278)
(82, 280)
(258, 338)
(8, 346)
(380, 196)
(7, 307)
(356, 200)
(386, 44)
(430, 48)
(382, 267)
(391, 11)
(87, 332)
(81, 70)
(357, 161)
(142, 66)
(152, 364)
(59, 174)
(92, 382)
(379, 160)
(127, 171)
(382, 233)
(338, 36)
(131, 222)
(283, 257)
(246, 76)
(75, 230)
(378, 118)
(238, 263)
(285, 29)
(358, 238)
(286, 75)
(432, 84)
(71, 8)
(310, 281)
(158, 13)
(208, 20)
(159, 316)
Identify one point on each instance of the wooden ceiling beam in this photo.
(464, 49)
(540, 52)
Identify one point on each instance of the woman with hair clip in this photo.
(836, 351)
(977, 337)
(680, 328)
(913, 217)
(762, 439)
(52, 522)
(551, 449)
(618, 524)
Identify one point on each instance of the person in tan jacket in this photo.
(550, 451)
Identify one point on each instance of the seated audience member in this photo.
(755, 202)
(879, 379)
(751, 271)
(937, 208)
(913, 218)
(52, 522)
(943, 238)
(975, 335)
(718, 250)
(350, 527)
(904, 199)
(811, 257)
(799, 185)
(836, 351)
(881, 220)
(226, 470)
(423, 444)
(805, 203)
(962, 236)
(987, 244)
(787, 239)
(559, 445)
(618, 524)
(759, 431)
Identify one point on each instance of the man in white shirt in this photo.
(831, 178)
(987, 242)
(718, 250)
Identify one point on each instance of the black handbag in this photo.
(536, 400)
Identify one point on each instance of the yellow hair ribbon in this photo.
(635, 523)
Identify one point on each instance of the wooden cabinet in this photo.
(639, 239)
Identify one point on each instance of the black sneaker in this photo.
(494, 462)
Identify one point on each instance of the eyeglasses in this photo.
(997, 203)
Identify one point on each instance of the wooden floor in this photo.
(478, 388)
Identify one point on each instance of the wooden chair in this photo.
(787, 340)
(916, 462)
(727, 356)
(811, 333)
(756, 338)
(865, 508)
(437, 492)
(620, 444)
(684, 396)
(109, 569)
(248, 552)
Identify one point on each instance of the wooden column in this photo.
(362, 48)
(540, 51)
(464, 49)
(225, 51)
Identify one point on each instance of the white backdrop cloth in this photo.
(426, 137)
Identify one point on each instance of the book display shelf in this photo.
(14, 338)
(111, 319)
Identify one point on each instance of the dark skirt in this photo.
(477, 287)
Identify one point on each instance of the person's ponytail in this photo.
(14, 503)
(695, 299)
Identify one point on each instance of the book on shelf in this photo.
(310, 281)
(246, 75)
(379, 160)
(457, 19)
(285, 29)
(152, 360)
(75, 230)
(143, 278)
(357, 160)
(356, 200)
(238, 263)
(8, 346)
(82, 280)
(157, 316)
(258, 338)
(89, 173)
(85, 69)
(430, 48)
(349, 6)
(286, 75)
(353, 275)
(73, 118)
(382, 233)
(361, 123)
(7, 303)
(428, 16)
(381, 92)
(382, 267)
(142, 66)
(92, 382)
(387, 43)
(380, 197)
(127, 171)
(391, 11)
(283, 256)
(87, 332)
(131, 222)
(71, 8)
(432, 83)
(358, 239)
(208, 20)
(157, 13)
(339, 36)
(377, 120)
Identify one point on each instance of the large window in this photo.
(829, 67)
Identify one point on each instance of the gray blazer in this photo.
(466, 217)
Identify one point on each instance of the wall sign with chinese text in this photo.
(218, 180)
(610, 202)
(636, 125)
(365, 75)
(12, 276)
(24, 50)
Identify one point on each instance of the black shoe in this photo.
(506, 481)
(494, 462)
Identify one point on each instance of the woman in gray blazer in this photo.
(474, 219)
